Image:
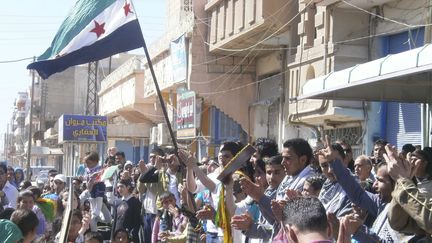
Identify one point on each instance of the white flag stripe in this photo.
(113, 17)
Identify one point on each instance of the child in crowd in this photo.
(79, 224)
(26, 200)
(93, 237)
(27, 222)
(64, 197)
(128, 210)
(121, 236)
(95, 187)
(313, 185)
(170, 222)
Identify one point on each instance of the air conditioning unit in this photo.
(163, 136)
(154, 135)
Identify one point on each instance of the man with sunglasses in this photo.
(348, 160)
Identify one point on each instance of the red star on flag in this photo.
(126, 8)
(98, 29)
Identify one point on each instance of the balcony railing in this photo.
(128, 68)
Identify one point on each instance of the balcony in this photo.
(21, 100)
(240, 24)
(122, 93)
(336, 113)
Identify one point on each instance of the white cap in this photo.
(128, 163)
(60, 177)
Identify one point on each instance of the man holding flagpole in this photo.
(221, 204)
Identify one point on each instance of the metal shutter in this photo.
(403, 119)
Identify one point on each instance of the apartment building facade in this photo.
(236, 70)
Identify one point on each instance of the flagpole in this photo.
(159, 94)
(162, 102)
(28, 172)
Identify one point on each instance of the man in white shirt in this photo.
(149, 200)
(227, 151)
(7, 189)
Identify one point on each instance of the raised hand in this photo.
(206, 213)
(164, 236)
(142, 166)
(159, 162)
(241, 222)
(350, 223)
(254, 190)
(187, 158)
(85, 223)
(334, 225)
(277, 207)
(397, 166)
(291, 193)
(173, 159)
(173, 210)
(329, 153)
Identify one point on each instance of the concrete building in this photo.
(360, 32)
(62, 93)
(315, 39)
(207, 93)
(236, 69)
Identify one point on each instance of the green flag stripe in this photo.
(80, 16)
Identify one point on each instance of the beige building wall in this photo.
(218, 79)
(343, 36)
(254, 37)
(323, 33)
(225, 81)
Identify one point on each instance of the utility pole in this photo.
(91, 102)
(92, 89)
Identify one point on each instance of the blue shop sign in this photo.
(79, 128)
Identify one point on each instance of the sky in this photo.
(27, 29)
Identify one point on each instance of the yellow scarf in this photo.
(223, 219)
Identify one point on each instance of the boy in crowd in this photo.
(262, 229)
(305, 219)
(95, 187)
(170, 223)
(27, 221)
(93, 237)
(128, 210)
(312, 186)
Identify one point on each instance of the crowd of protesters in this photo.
(299, 194)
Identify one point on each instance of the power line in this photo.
(58, 23)
(62, 17)
(17, 60)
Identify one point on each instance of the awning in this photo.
(403, 77)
